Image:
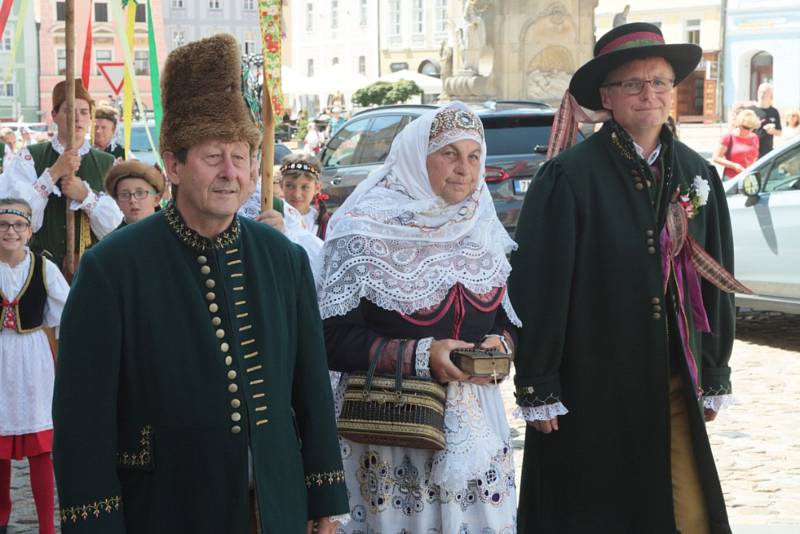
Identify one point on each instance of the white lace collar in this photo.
(58, 147)
(401, 247)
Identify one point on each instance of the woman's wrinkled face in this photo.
(453, 170)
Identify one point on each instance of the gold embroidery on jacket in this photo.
(143, 457)
(73, 513)
(318, 479)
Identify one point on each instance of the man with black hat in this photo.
(192, 391)
(105, 131)
(47, 175)
(620, 281)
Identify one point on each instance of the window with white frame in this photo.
(6, 44)
(310, 68)
(61, 11)
(214, 4)
(141, 13)
(141, 62)
(334, 14)
(362, 65)
(363, 12)
(101, 56)
(249, 42)
(101, 12)
(309, 17)
(178, 38)
(7, 89)
(693, 31)
(440, 16)
(61, 61)
(177, 4)
(417, 17)
(335, 61)
(249, 5)
(394, 18)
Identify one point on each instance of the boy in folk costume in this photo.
(33, 293)
(47, 176)
(192, 391)
(620, 280)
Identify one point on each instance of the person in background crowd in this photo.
(769, 117)
(624, 351)
(336, 121)
(27, 137)
(50, 177)
(312, 144)
(236, 373)
(33, 292)
(738, 148)
(791, 129)
(8, 144)
(105, 132)
(301, 188)
(137, 188)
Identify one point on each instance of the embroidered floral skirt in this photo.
(392, 491)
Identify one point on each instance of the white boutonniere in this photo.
(695, 196)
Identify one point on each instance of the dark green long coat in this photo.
(177, 357)
(587, 285)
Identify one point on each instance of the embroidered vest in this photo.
(51, 237)
(26, 312)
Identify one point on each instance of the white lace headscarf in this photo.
(402, 247)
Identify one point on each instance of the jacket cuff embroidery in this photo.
(330, 477)
(142, 458)
(86, 511)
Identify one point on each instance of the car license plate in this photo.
(521, 186)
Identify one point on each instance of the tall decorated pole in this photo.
(69, 109)
(271, 94)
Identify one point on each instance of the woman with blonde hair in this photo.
(738, 149)
(791, 130)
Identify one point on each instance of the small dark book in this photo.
(483, 362)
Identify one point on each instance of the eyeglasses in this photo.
(139, 194)
(635, 86)
(18, 226)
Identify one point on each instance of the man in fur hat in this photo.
(47, 176)
(620, 281)
(193, 393)
(105, 131)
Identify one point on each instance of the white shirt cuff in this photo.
(422, 366)
(545, 412)
(44, 185)
(718, 402)
(88, 203)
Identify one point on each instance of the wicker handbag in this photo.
(393, 410)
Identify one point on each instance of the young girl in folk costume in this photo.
(301, 189)
(33, 295)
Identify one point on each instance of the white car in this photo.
(764, 203)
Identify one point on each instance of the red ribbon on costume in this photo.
(564, 131)
(682, 254)
(10, 320)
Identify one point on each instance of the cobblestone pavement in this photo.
(756, 442)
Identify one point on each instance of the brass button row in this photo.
(656, 307)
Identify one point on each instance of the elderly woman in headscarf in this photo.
(415, 266)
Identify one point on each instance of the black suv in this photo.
(516, 140)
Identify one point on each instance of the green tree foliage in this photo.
(385, 93)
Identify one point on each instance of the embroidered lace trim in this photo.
(718, 402)
(545, 412)
(423, 357)
(94, 509)
(195, 241)
(58, 147)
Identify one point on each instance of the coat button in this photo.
(655, 300)
(236, 417)
(233, 388)
(235, 429)
(224, 347)
(220, 333)
(216, 321)
(649, 233)
(202, 260)
(651, 241)
(235, 403)
(228, 360)
(656, 316)
(213, 307)
(656, 308)
(651, 250)
(232, 374)
(210, 283)
(210, 295)
(205, 269)
(639, 186)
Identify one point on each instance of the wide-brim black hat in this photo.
(638, 40)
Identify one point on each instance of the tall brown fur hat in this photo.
(201, 93)
(106, 112)
(60, 94)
